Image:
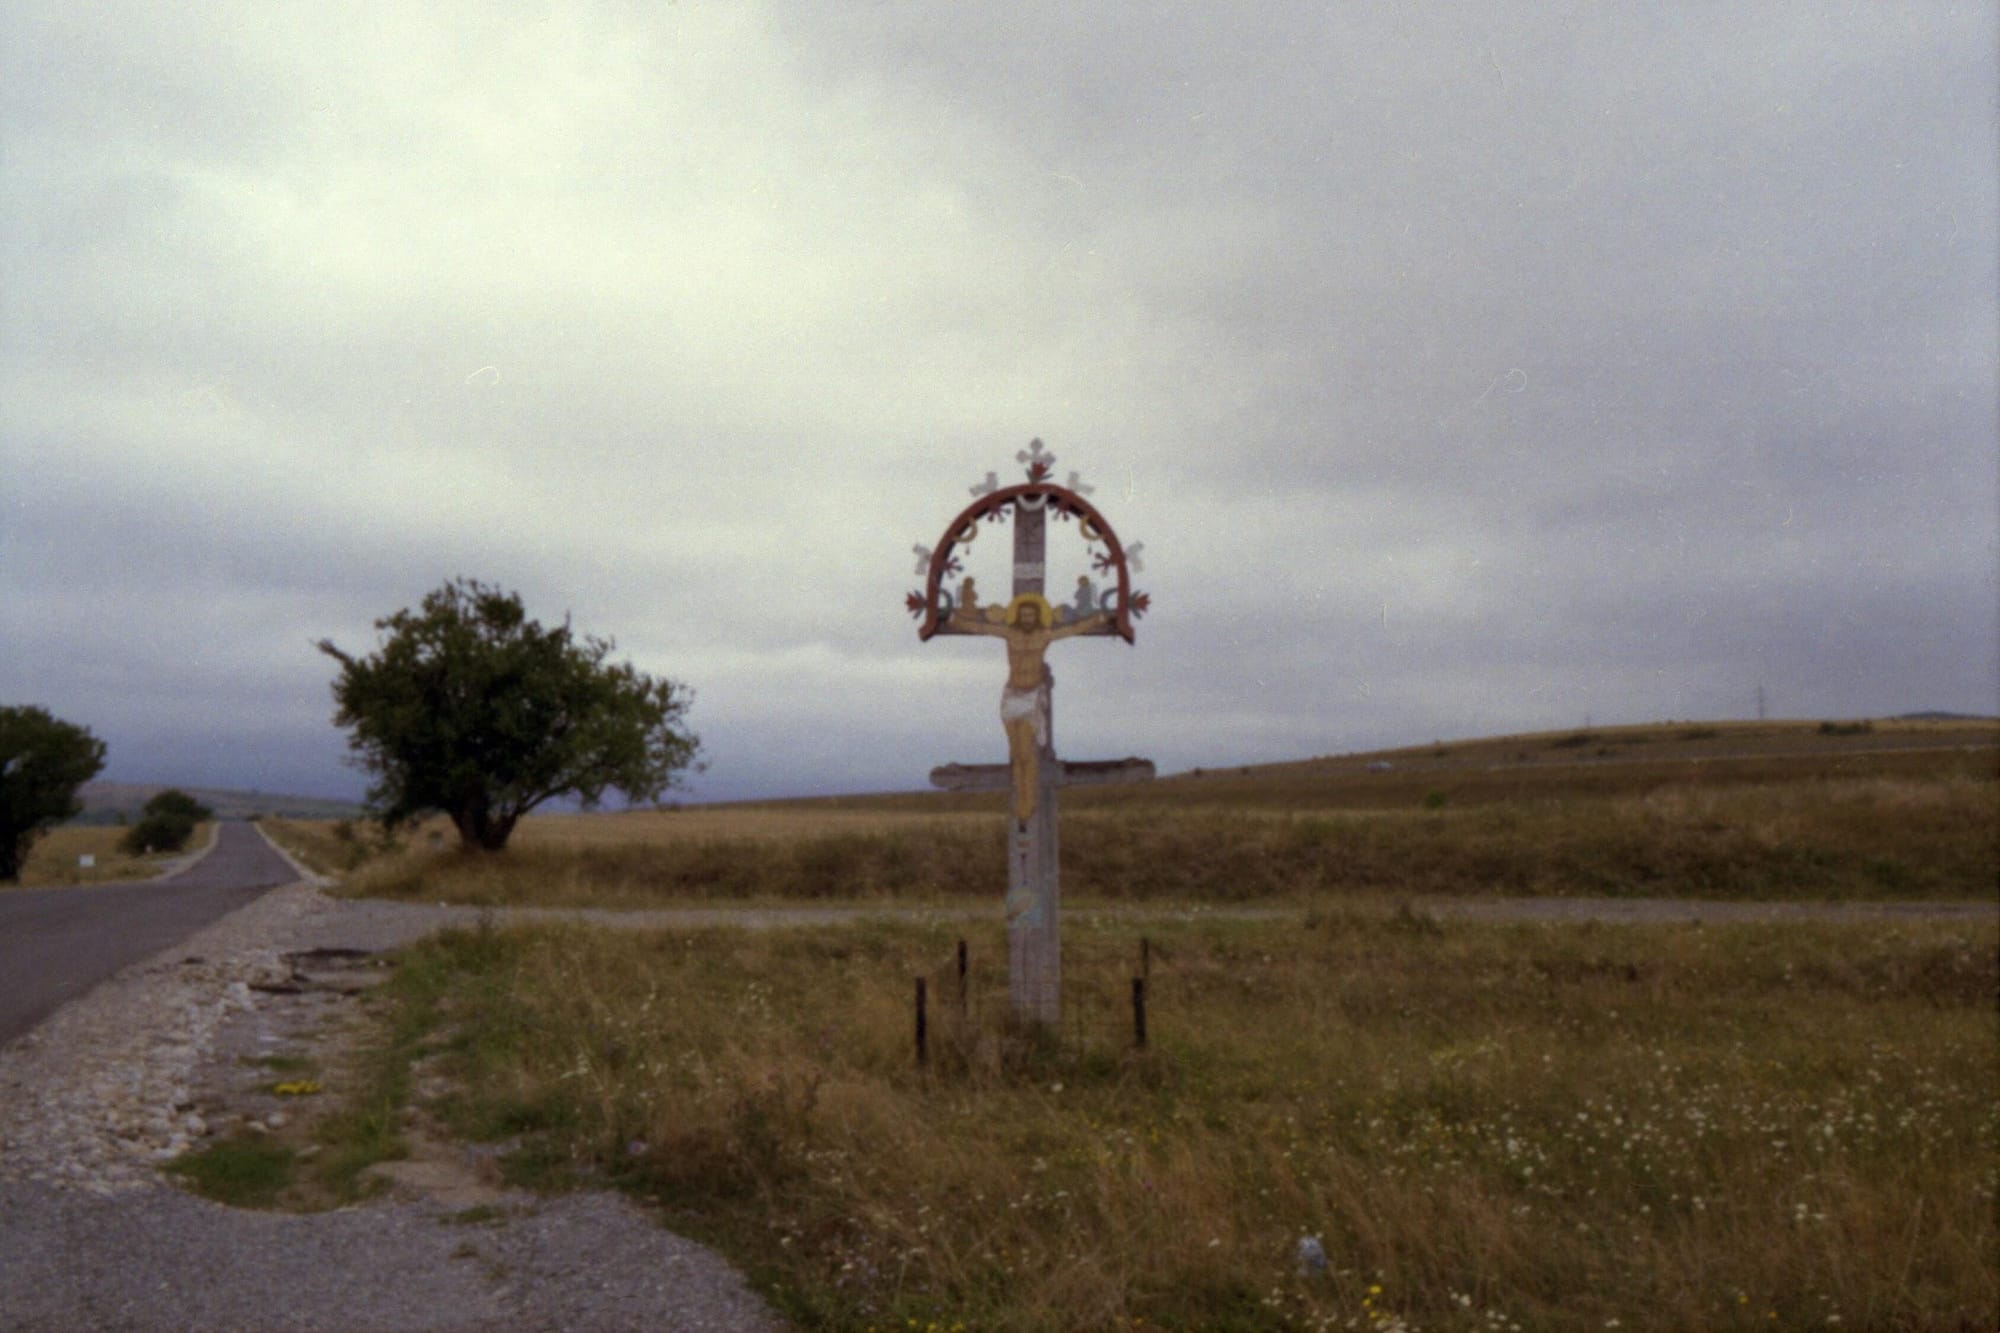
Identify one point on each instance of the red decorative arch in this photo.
(1064, 501)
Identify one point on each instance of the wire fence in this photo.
(1107, 999)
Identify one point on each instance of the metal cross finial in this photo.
(1038, 459)
(923, 559)
(1076, 484)
(1132, 557)
(987, 487)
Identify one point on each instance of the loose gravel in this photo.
(112, 1085)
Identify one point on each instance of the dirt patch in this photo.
(447, 1174)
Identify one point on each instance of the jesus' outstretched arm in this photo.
(974, 623)
(1089, 624)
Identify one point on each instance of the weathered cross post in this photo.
(1028, 624)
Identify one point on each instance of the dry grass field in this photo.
(1760, 811)
(1567, 765)
(1511, 1127)
(54, 857)
(1483, 1126)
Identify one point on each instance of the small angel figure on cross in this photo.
(1029, 628)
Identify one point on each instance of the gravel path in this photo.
(92, 1238)
(159, 1259)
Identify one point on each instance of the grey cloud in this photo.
(1461, 368)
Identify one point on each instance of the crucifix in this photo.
(1027, 625)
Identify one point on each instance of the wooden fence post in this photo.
(923, 1025)
(1139, 1012)
(961, 979)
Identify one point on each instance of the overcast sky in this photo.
(1462, 368)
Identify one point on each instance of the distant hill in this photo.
(109, 802)
(1552, 764)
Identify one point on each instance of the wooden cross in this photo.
(1029, 624)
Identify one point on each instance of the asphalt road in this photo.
(55, 944)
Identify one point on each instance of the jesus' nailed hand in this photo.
(1028, 629)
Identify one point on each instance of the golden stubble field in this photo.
(56, 856)
(1787, 812)
(1480, 1126)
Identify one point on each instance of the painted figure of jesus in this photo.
(1029, 628)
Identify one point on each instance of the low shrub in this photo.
(166, 823)
(155, 833)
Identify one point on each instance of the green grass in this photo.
(343, 1120)
(243, 1171)
(1550, 1127)
(365, 1125)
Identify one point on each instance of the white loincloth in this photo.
(1026, 705)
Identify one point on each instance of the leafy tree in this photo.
(43, 760)
(166, 823)
(178, 804)
(471, 709)
(157, 833)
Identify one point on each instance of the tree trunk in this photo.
(479, 830)
(498, 831)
